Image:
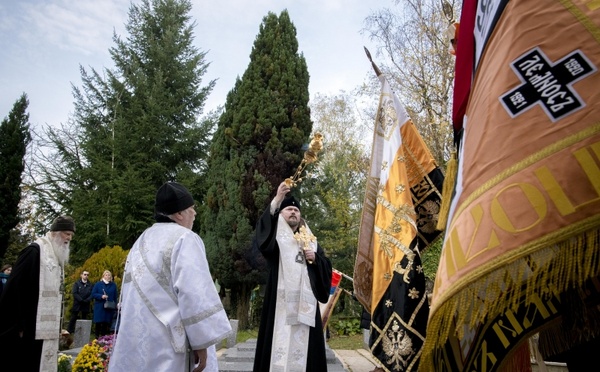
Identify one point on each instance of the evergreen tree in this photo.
(137, 126)
(17, 242)
(14, 139)
(258, 143)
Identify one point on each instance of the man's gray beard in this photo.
(61, 250)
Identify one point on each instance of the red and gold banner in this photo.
(524, 221)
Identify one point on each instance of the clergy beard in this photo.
(60, 247)
(296, 223)
(293, 224)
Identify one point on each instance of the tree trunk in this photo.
(241, 303)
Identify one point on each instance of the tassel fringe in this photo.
(572, 262)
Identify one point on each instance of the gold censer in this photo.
(310, 156)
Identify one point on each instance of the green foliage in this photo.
(108, 258)
(14, 139)
(354, 342)
(18, 241)
(347, 306)
(348, 327)
(134, 127)
(345, 319)
(256, 306)
(257, 144)
(431, 258)
(246, 334)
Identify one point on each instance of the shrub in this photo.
(108, 258)
(348, 327)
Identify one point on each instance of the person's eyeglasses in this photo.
(85, 274)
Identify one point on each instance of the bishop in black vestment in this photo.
(290, 336)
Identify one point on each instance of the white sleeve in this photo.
(200, 307)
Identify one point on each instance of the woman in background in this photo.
(104, 291)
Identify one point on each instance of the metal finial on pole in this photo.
(377, 70)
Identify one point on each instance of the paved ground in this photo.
(356, 360)
(239, 358)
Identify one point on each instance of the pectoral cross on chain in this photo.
(304, 237)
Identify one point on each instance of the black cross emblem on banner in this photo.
(547, 84)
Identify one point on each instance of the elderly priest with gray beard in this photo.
(30, 305)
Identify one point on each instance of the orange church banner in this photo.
(523, 230)
(422, 179)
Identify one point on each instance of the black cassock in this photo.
(319, 273)
(18, 309)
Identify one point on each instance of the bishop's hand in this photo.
(282, 191)
(310, 255)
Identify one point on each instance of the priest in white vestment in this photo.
(171, 313)
(30, 305)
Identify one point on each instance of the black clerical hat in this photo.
(289, 201)
(63, 223)
(172, 197)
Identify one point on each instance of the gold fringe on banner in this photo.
(449, 182)
(576, 260)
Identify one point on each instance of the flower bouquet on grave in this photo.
(95, 355)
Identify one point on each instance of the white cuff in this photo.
(274, 206)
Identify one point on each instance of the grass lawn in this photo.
(335, 342)
(245, 334)
(346, 342)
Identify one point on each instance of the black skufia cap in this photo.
(172, 197)
(63, 223)
(289, 201)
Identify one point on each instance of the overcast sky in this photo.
(43, 43)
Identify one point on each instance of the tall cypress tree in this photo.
(138, 126)
(14, 139)
(258, 143)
